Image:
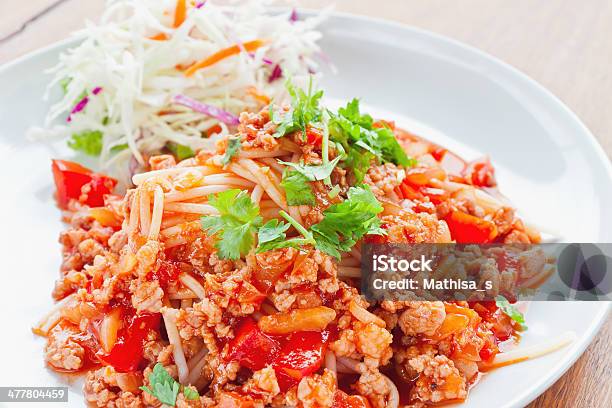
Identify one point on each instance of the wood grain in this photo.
(588, 383)
(563, 44)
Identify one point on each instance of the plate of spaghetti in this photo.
(212, 177)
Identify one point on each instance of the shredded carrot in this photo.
(159, 37)
(215, 129)
(249, 46)
(259, 96)
(180, 13)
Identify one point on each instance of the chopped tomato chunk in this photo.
(167, 272)
(343, 400)
(468, 229)
(313, 136)
(421, 176)
(126, 354)
(480, 173)
(301, 354)
(251, 347)
(410, 193)
(73, 181)
(436, 195)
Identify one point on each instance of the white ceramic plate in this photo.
(547, 162)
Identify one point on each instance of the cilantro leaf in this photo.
(272, 235)
(342, 226)
(351, 112)
(304, 110)
(272, 230)
(314, 172)
(284, 122)
(163, 386)
(297, 188)
(236, 225)
(359, 160)
(181, 152)
(391, 150)
(351, 128)
(345, 223)
(509, 309)
(88, 142)
(190, 393)
(233, 145)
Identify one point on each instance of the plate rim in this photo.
(515, 74)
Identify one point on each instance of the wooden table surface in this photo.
(566, 45)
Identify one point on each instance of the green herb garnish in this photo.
(357, 134)
(272, 235)
(304, 110)
(342, 226)
(510, 310)
(190, 393)
(181, 152)
(88, 142)
(345, 223)
(297, 188)
(163, 386)
(118, 148)
(233, 145)
(236, 225)
(314, 172)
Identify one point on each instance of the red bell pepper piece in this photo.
(488, 351)
(301, 355)
(436, 195)
(72, 180)
(410, 193)
(421, 176)
(313, 136)
(167, 272)
(251, 347)
(343, 400)
(468, 229)
(480, 173)
(126, 354)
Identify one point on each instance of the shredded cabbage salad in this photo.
(169, 74)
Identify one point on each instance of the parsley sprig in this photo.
(236, 224)
(297, 188)
(165, 388)
(347, 222)
(233, 145)
(314, 172)
(304, 110)
(343, 224)
(511, 310)
(364, 142)
(272, 235)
